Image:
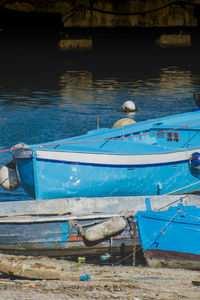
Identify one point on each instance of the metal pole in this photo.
(134, 242)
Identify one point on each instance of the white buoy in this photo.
(123, 122)
(128, 106)
(9, 179)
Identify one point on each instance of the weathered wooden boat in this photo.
(147, 158)
(75, 226)
(63, 227)
(63, 235)
(171, 238)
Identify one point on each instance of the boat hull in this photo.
(172, 259)
(48, 178)
(35, 236)
(171, 238)
(50, 227)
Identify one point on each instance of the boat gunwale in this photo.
(54, 218)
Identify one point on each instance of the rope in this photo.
(119, 262)
(140, 247)
(161, 231)
(161, 208)
(18, 146)
(121, 138)
(77, 226)
(113, 139)
(182, 188)
(134, 242)
(103, 140)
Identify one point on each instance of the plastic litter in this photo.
(85, 277)
(105, 257)
(81, 259)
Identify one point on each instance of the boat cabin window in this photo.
(172, 136)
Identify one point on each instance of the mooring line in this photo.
(181, 188)
(96, 141)
(149, 240)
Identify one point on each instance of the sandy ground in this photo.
(106, 282)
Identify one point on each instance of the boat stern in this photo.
(24, 159)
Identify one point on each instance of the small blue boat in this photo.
(170, 238)
(147, 158)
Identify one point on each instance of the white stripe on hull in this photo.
(116, 159)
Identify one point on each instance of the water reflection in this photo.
(172, 78)
(75, 87)
(172, 88)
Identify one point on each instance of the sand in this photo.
(105, 282)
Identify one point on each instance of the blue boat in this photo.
(151, 157)
(170, 238)
(75, 226)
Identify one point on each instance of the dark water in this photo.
(46, 94)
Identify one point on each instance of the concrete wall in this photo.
(130, 13)
(116, 13)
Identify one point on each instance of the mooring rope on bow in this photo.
(182, 188)
(95, 141)
(114, 138)
(171, 203)
(22, 145)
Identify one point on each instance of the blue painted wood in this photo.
(34, 233)
(172, 236)
(45, 233)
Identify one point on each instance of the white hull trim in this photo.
(116, 159)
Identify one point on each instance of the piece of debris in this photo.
(196, 283)
(30, 271)
(85, 277)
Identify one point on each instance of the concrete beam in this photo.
(131, 13)
(116, 13)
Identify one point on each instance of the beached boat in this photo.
(171, 238)
(64, 227)
(75, 226)
(64, 235)
(146, 158)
